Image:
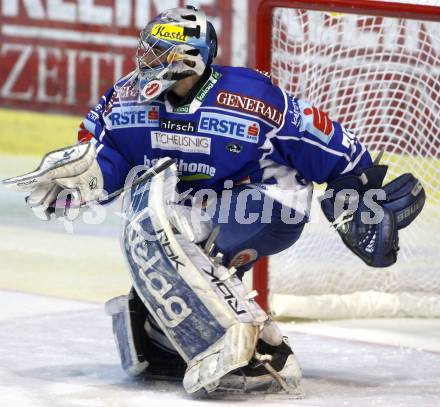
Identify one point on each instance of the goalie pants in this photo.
(243, 241)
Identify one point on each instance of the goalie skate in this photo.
(144, 357)
(273, 370)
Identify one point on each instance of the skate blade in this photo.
(237, 395)
(161, 378)
(258, 390)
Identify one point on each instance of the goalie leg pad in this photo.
(127, 324)
(143, 348)
(202, 309)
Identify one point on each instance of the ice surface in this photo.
(56, 352)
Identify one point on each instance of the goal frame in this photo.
(260, 274)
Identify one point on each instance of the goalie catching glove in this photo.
(66, 178)
(369, 228)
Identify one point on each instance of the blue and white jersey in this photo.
(239, 127)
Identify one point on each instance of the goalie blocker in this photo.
(203, 308)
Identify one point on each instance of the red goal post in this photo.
(404, 154)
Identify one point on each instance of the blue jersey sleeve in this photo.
(318, 147)
(114, 166)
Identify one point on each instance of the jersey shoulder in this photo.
(246, 79)
(243, 73)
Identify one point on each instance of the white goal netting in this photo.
(380, 77)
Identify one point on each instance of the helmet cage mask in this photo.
(176, 44)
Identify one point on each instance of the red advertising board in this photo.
(60, 55)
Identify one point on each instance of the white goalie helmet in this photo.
(176, 44)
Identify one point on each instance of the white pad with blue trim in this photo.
(201, 308)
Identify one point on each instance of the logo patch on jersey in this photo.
(193, 171)
(349, 140)
(316, 122)
(135, 116)
(178, 125)
(181, 142)
(296, 113)
(201, 95)
(234, 148)
(229, 126)
(181, 109)
(251, 105)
